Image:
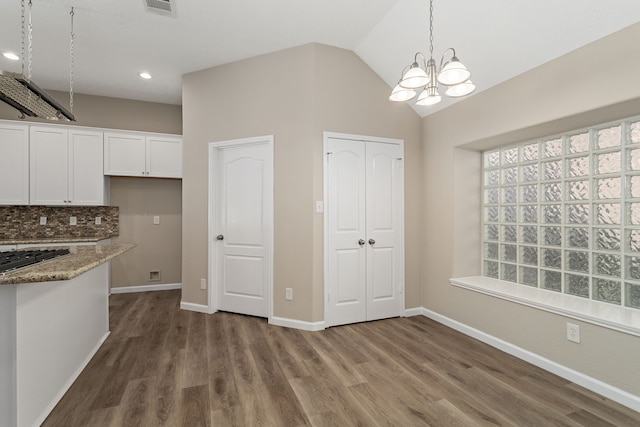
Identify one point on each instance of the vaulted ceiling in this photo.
(116, 39)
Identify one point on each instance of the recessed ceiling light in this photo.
(145, 75)
(10, 55)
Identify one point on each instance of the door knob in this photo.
(219, 237)
(372, 242)
(361, 242)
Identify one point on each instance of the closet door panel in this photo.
(384, 230)
(346, 228)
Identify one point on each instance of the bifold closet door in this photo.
(364, 231)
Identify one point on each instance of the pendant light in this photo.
(426, 77)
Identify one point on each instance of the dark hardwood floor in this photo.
(165, 367)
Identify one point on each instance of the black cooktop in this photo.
(12, 260)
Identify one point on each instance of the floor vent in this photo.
(163, 7)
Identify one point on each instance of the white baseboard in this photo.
(194, 307)
(416, 311)
(146, 288)
(622, 397)
(297, 324)
(70, 382)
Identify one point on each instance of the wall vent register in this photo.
(163, 7)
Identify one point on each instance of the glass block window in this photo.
(563, 213)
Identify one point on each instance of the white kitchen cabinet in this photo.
(164, 157)
(14, 164)
(66, 166)
(86, 174)
(124, 154)
(142, 155)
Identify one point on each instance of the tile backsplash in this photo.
(23, 222)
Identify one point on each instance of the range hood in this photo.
(25, 96)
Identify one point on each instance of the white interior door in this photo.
(364, 230)
(243, 206)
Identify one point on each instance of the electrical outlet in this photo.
(98, 220)
(43, 220)
(288, 294)
(573, 332)
(73, 220)
(203, 283)
(156, 220)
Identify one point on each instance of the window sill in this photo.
(610, 316)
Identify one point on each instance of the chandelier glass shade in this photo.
(424, 78)
(400, 93)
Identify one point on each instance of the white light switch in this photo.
(156, 220)
(73, 220)
(98, 220)
(319, 206)
(43, 220)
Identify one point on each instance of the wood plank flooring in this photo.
(162, 366)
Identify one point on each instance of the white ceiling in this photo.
(116, 39)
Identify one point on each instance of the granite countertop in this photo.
(80, 260)
(45, 240)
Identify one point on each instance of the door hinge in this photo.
(329, 153)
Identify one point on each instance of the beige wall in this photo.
(295, 95)
(112, 113)
(159, 246)
(573, 91)
(350, 98)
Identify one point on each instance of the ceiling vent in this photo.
(163, 7)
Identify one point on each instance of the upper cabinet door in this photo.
(164, 157)
(48, 166)
(142, 155)
(14, 164)
(124, 154)
(86, 177)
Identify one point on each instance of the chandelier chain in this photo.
(71, 35)
(30, 45)
(23, 35)
(431, 28)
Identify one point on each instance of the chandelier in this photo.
(453, 74)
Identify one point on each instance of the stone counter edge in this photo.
(73, 265)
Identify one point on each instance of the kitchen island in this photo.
(53, 318)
